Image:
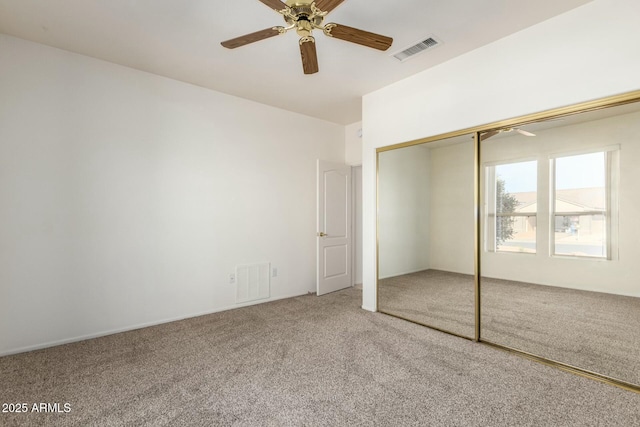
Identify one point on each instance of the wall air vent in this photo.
(417, 48)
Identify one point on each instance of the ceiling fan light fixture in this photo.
(304, 28)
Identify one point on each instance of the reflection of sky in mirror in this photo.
(583, 171)
(518, 177)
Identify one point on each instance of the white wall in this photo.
(587, 53)
(404, 211)
(426, 206)
(126, 199)
(452, 216)
(620, 275)
(353, 144)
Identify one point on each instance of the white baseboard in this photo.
(371, 309)
(138, 326)
(388, 276)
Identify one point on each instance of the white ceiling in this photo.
(181, 39)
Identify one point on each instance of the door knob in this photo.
(321, 234)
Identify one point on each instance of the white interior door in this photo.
(334, 227)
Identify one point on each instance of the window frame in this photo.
(490, 205)
(610, 212)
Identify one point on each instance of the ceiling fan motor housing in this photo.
(304, 17)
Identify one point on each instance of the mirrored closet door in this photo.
(560, 237)
(426, 234)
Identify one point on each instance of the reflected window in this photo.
(582, 208)
(512, 207)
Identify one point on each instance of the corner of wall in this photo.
(353, 144)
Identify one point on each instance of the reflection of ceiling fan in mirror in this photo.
(305, 16)
(520, 131)
(486, 135)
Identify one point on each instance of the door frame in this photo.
(356, 244)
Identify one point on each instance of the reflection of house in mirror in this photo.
(524, 227)
(580, 226)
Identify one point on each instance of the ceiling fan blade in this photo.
(355, 35)
(524, 132)
(251, 38)
(489, 134)
(328, 5)
(276, 5)
(309, 55)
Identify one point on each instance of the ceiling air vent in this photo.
(417, 48)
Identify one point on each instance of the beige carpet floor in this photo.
(436, 298)
(303, 361)
(595, 331)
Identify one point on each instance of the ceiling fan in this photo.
(305, 16)
(489, 134)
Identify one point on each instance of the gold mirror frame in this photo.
(612, 101)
